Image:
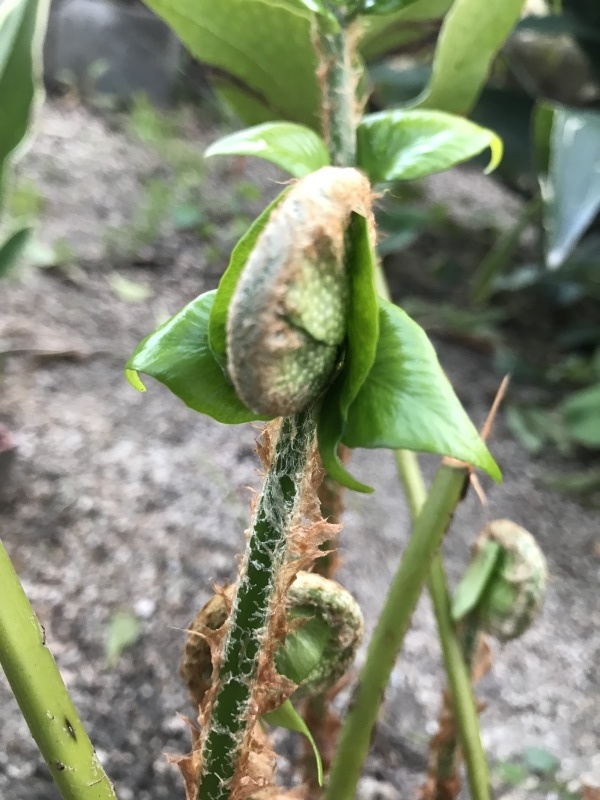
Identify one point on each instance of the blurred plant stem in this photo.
(43, 698)
(428, 531)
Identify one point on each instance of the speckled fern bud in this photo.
(309, 596)
(313, 595)
(287, 318)
(515, 593)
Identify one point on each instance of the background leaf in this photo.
(123, 631)
(239, 256)
(295, 148)
(571, 190)
(542, 120)
(587, 14)
(130, 291)
(12, 248)
(472, 34)
(405, 145)
(540, 760)
(407, 401)
(260, 50)
(558, 25)
(581, 412)
(22, 24)
(382, 34)
(178, 355)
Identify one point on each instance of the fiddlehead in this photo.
(309, 597)
(287, 318)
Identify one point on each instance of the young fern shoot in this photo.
(286, 324)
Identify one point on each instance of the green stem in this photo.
(339, 107)
(464, 706)
(447, 750)
(264, 557)
(428, 531)
(457, 669)
(43, 698)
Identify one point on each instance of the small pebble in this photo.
(144, 608)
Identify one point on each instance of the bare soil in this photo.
(119, 501)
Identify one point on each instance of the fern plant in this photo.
(299, 334)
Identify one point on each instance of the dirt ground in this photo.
(120, 501)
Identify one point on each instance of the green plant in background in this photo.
(18, 28)
(541, 97)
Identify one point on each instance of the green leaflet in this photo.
(540, 760)
(179, 356)
(473, 583)
(287, 717)
(295, 148)
(363, 331)
(239, 256)
(303, 648)
(261, 49)
(407, 401)
(405, 145)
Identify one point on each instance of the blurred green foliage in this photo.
(22, 24)
(542, 96)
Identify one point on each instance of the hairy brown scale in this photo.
(287, 318)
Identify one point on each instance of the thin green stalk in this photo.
(502, 253)
(264, 557)
(457, 669)
(444, 769)
(43, 698)
(464, 706)
(428, 532)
